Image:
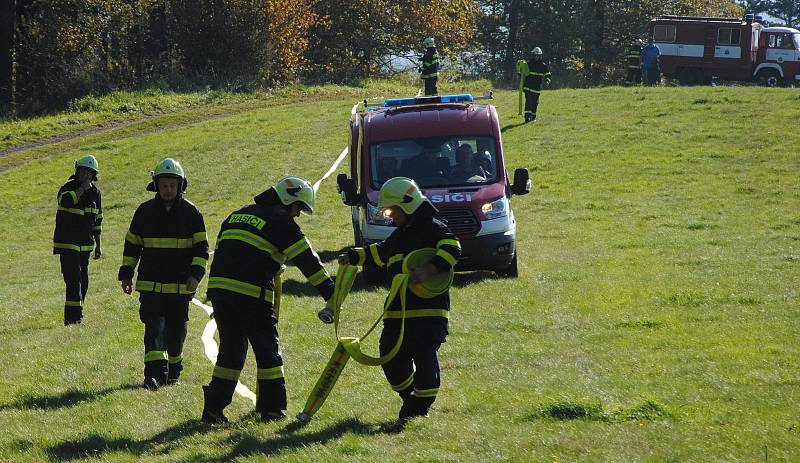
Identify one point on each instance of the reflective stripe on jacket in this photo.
(78, 220)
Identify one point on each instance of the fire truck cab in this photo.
(452, 147)
(696, 49)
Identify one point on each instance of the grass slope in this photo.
(655, 318)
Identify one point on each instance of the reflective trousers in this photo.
(164, 317)
(414, 372)
(531, 104)
(75, 270)
(242, 320)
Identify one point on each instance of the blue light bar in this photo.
(460, 98)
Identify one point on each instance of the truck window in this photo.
(664, 33)
(781, 41)
(796, 38)
(728, 36)
(438, 161)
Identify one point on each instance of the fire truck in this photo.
(696, 49)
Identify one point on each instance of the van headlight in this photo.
(377, 216)
(495, 209)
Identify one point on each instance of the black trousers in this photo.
(652, 76)
(241, 319)
(531, 104)
(164, 317)
(634, 75)
(414, 372)
(75, 270)
(430, 86)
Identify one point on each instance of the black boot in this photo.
(174, 373)
(216, 396)
(271, 399)
(72, 315)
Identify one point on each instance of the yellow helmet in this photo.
(401, 192)
(293, 189)
(168, 167)
(89, 162)
(429, 42)
(537, 51)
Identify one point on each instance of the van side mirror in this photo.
(347, 188)
(522, 182)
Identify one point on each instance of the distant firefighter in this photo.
(533, 73)
(429, 72)
(633, 60)
(77, 233)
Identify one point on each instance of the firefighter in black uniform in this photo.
(167, 239)
(538, 73)
(429, 72)
(252, 246)
(78, 223)
(414, 372)
(633, 59)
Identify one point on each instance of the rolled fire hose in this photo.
(522, 69)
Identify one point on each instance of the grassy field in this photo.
(656, 317)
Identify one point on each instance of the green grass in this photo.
(655, 318)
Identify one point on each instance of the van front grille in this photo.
(461, 221)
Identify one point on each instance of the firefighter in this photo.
(414, 372)
(167, 239)
(429, 72)
(253, 244)
(633, 59)
(538, 73)
(78, 224)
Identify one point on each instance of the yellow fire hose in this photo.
(522, 69)
(347, 347)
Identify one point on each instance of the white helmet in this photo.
(428, 42)
(537, 51)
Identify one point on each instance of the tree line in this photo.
(52, 51)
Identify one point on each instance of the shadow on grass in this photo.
(66, 399)
(240, 444)
(94, 445)
(291, 437)
(461, 280)
(511, 126)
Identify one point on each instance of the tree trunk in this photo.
(511, 46)
(7, 24)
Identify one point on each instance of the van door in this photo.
(780, 47)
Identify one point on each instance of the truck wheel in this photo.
(510, 271)
(690, 76)
(770, 78)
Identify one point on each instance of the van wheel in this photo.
(770, 78)
(510, 271)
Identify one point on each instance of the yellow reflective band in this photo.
(129, 261)
(252, 220)
(133, 238)
(362, 256)
(73, 303)
(532, 90)
(240, 287)
(448, 242)
(426, 76)
(163, 288)
(91, 210)
(96, 228)
(417, 313)
(404, 384)
(426, 392)
(226, 373)
(447, 256)
(295, 249)
(99, 215)
(539, 73)
(176, 359)
(199, 261)
(167, 243)
(373, 250)
(319, 277)
(395, 258)
(71, 193)
(73, 247)
(270, 373)
(199, 237)
(155, 355)
(255, 241)
(71, 210)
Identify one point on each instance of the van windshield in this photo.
(435, 162)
